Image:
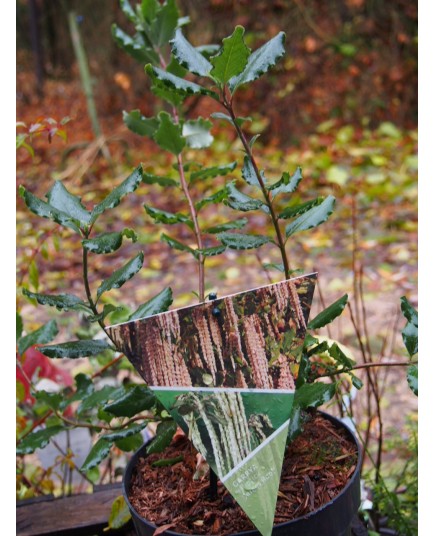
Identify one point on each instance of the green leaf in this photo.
(248, 172)
(105, 243)
(161, 216)
(75, 349)
(165, 23)
(260, 61)
(225, 117)
(188, 56)
(128, 444)
(149, 9)
(59, 198)
(115, 196)
(227, 226)
(128, 10)
(287, 184)
(149, 178)
(175, 244)
(134, 46)
(409, 311)
(296, 210)
(313, 395)
(197, 133)
(137, 123)
(211, 252)
(125, 432)
(93, 399)
(163, 437)
(242, 241)
(45, 210)
(131, 400)
(410, 338)
(177, 84)
(119, 513)
(239, 201)
(52, 400)
(313, 217)
(412, 378)
(217, 197)
(34, 274)
(44, 334)
(97, 454)
(18, 326)
(329, 313)
(336, 352)
(37, 440)
(63, 302)
(121, 276)
(211, 172)
(232, 57)
(158, 304)
(169, 135)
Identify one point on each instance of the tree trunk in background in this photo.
(37, 47)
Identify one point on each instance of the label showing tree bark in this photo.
(225, 370)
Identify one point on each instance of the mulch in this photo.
(317, 466)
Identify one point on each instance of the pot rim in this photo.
(329, 504)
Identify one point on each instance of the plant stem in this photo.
(273, 215)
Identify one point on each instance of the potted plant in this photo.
(120, 418)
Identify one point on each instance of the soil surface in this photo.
(316, 468)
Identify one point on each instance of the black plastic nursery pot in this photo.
(332, 519)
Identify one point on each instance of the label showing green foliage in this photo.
(242, 435)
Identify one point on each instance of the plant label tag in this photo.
(225, 371)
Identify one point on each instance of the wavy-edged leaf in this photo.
(336, 352)
(409, 311)
(158, 304)
(45, 210)
(165, 23)
(169, 135)
(59, 198)
(181, 86)
(227, 226)
(260, 61)
(410, 338)
(248, 172)
(287, 183)
(131, 400)
(165, 432)
(243, 241)
(175, 244)
(94, 399)
(197, 133)
(239, 201)
(211, 252)
(135, 46)
(137, 123)
(329, 313)
(128, 11)
(37, 440)
(161, 216)
(149, 178)
(121, 276)
(113, 199)
(75, 349)
(412, 378)
(313, 395)
(297, 210)
(211, 172)
(63, 302)
(188, 56)
(313, 217)
(108, 242)
(125, 432)
(232, 57)
(217, 197)
(97, 454)
(42, 335)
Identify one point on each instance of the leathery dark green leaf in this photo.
(42, 335)
(188, 56)
(75, 349)
(121, 276)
